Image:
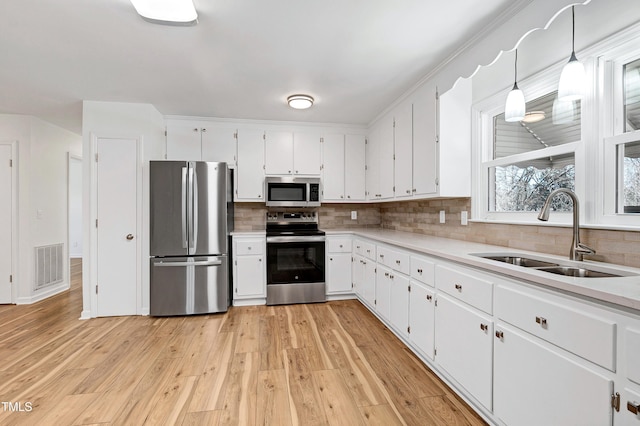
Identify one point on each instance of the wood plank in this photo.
(304, 398)
(202, 418)
(270, 344)
(240, 401)
(380, 415)
(337, 401)
(273, 399)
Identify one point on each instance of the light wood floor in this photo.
(331, 363)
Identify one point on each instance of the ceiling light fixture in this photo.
(534, 116)
(573, 78)
(515, 108)
(168, 12)
(300, 101)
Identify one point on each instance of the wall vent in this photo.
(49, 265)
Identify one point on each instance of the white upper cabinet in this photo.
(354, 167)
(192, 140)
(333, 169)
(403, 149)
(425, 165)
(289, 153)
(249, 175)
(278, 151)
(343, 168)
(454, 151)
(372, 164)
(184, 140)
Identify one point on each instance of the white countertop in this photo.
(622, 291)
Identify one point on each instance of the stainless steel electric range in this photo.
(295, 258)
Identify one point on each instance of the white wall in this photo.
(123, 120)
(42, 185)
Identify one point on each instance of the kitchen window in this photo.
(591, 146)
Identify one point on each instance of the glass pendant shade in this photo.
(515, 107)
(572, 80)
(171, 12)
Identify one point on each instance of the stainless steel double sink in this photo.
(553, 267)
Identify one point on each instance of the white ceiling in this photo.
(242, 59)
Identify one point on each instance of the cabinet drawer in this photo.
(422, 270)
(339, 245)
(393, 259)
(246, 247)
(365, 249)
(566, 326)
(463, 286)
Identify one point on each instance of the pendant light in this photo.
(515, 108)
(573, 78)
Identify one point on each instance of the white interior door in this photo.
(6, 199)
(117, 239)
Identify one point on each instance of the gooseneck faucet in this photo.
(577, 248)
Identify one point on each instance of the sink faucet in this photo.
(577, 248)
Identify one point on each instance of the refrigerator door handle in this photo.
(177, 264)
(184, 208)
(190, 212)
(193, 238)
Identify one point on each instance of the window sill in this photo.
(632, 228)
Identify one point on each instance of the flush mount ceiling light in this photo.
(534, 116)
(573, 78)
(515, 107)
(168, 12)
(300, 101)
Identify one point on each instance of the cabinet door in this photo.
(250, 168)
(278, 155)
(357, 275)
(383, 291)
(463, 347)
(425, 165)
(339, 273)
(184, 141)
(372, 152)
(333, 168)
(219, 144)
(421, 318)
(306, 154)
(354, 167)
(386, 159)
(369, 282)
(403, 142)
(536, 384)
(249, 277)
(399, 303)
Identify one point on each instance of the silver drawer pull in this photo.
(484, 327)
(382, 256)
(499, 334)
(386, 274)
(458, 287)
(397, 262)
(420, 271)
(634, 407)
(542, 321)
(429, 297)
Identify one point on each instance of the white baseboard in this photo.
(43, 294)
(345, 296)
(85, 315)
(249, 302)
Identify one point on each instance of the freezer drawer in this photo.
(189, 285)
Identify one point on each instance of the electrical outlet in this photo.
(354, 215)
(441, 216)
(464, 218)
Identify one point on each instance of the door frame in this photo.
(89, 283)
(70, 157)
(15, 274)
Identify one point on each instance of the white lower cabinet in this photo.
(538, 384)
(399, 303)
(383, 289)
(369, 281)
(249, 269)
(629, 414)
(357, 275)
(464, 343)
(421, 318)
(338, 275)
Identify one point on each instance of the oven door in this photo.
(295, 269)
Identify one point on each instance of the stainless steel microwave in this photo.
(292, 191)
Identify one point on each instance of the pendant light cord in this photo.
(515, 71)
(573, 29)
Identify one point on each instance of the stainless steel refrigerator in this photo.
(191, 213)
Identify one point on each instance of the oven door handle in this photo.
(296, 239)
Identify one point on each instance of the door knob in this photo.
(130, 237)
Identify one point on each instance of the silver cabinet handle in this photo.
(634, 407)
(458, 287)
(429, 297)
(499, 334)
(130, 237)
(542, 321)
(484, 327)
